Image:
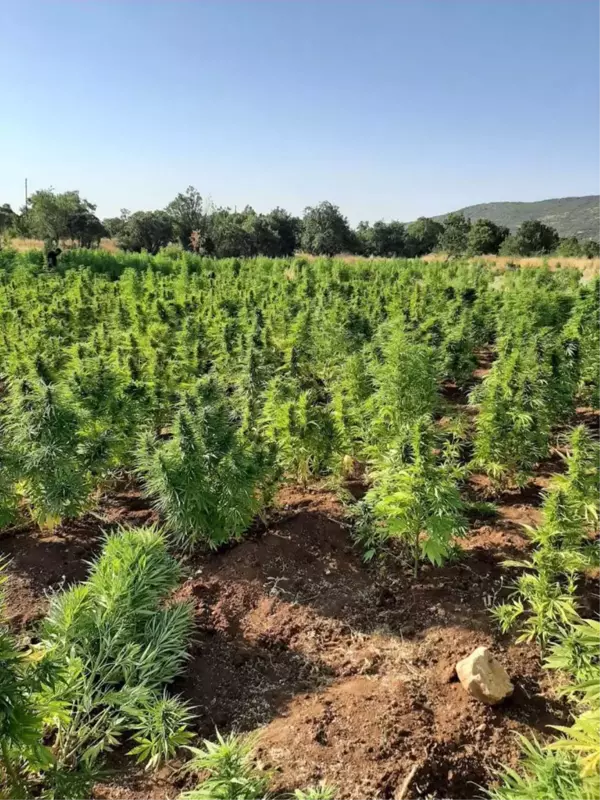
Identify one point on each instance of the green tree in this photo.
(591, 249)
(455, 234)
(264, 239)
(287, 229)
(114, 225)
(146, 230)
(325, 231)
(52, 217)
(187, 215)
(382, 239)
(422, 236)
(7, 217)
(485, 237)
(533, 238)
(84, 227)
(569, 246)
(228, 236)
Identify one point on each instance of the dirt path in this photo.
(347, 669)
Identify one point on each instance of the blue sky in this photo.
(389, 109)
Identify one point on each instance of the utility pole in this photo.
(26, 195)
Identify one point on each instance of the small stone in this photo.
(484, 677)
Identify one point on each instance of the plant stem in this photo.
(416, 556)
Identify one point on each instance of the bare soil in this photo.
(346, 669)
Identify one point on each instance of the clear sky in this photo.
(388, 109)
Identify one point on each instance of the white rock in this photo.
(484, 677)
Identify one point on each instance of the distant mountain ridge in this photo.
(570, 216)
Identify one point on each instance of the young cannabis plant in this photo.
(577, 655)
(320, 792)
(544, 597)
(415, 499)
(22, 752)
(543, 774)
(232, 773)
(120, 645)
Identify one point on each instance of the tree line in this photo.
(322, 230)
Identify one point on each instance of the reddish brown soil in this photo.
(44, 561)
(348, 669)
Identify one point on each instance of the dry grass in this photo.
(584, 264)
(590, 267)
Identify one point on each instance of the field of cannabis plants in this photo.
(271, 503)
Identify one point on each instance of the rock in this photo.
(484, 677)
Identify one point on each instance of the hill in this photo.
(571, 216)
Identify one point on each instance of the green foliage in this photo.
(160, 730)
(485, 237)
(544, 598)
(570, 247)
(205, 480)
(415, 499)
(382, 239)
(325, 231)
(146, 230)
(120, 646)
(405, 385)
(187, 214)
(46, 438)
(544, 774)
(231, 773)
(21, 718)
(320, 792)
(52, 217)
(534, 238)
(455, 234)
(230, 768)
(576, 653)
(422, 236)
(299, 422)
(7, 218)
(513, 423)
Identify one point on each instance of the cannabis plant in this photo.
(205, 480)
(405, 385)
(44, 427)
(543, 773)
(415, 499)
(22, 750)
(120, 646)
(577, 655)
(513, 423)
(544, 599)
(230, 768)
(232, 773)
(9, 475)
(320, 792)
(299, 423)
